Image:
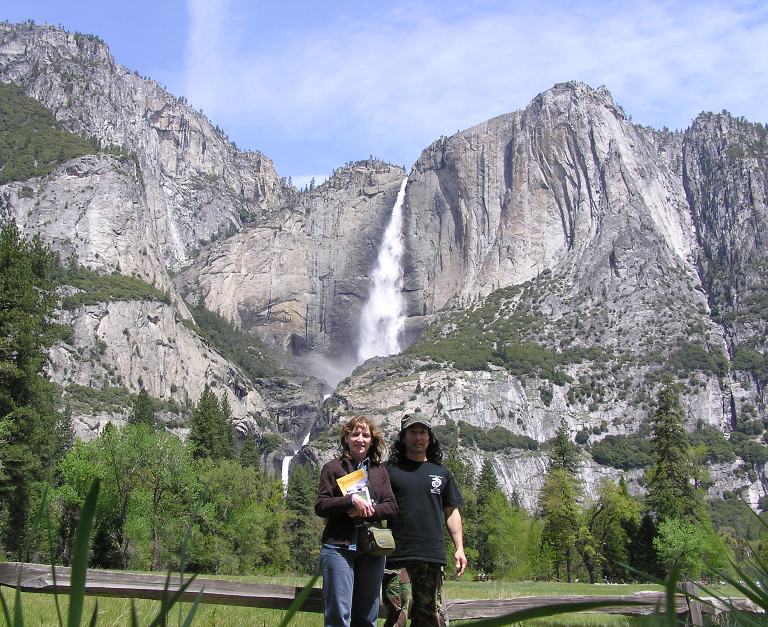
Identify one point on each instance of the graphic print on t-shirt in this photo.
(437, 481)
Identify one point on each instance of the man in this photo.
(427, 497)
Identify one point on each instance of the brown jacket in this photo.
(330, 504)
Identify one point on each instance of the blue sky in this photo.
(314, 84)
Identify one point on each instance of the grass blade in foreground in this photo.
(95, 615)
(6, 612)
(299, 600)
(80, 555)
(167, 602)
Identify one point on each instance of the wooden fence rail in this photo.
(39, 578)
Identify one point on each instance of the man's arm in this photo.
(455, 528)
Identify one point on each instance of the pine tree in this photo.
(670, 490)
(29, 422)
(563, 537)
(142, 411)
(564, 453)
(249, 453)
(66, 431)
(561, 515)
(488, 492)
(464, 475)
(204, 430)
(303, 526)
(487, 484)
(227, 429)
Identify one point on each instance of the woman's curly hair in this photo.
(377, 441)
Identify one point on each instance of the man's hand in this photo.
(461, 562)
(455, 528)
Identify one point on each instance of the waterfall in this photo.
(287, 463)
(381, 321)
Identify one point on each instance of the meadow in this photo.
(40, 609)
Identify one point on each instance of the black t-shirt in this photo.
(422, 490)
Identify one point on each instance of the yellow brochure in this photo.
(353, 482)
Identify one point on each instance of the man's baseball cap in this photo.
(415, 419)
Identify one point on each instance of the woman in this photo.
(352, 579)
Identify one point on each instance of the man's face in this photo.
(416, 441)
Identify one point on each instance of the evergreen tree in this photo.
(29, 423)
(561, 517)
(564, 537)
(464, 475)
(227, 427)
(564, 453)
(488, 492)
(211, 432)
(249, 453)
(142, 411)
(487, 483)
(303, 527)
(66, 431)
(670, 490)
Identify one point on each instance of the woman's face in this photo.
(359, 441)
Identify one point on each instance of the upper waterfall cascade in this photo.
(381, 321)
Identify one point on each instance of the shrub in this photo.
(623, 451)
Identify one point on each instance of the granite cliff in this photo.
(559, 261)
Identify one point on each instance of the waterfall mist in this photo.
(381, 321)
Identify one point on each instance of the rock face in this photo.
(499, 203)
(300, 280)
(586, 255)
(726, 180)
(196, 185)
(92, 209)
(645, 245)
(141, 344)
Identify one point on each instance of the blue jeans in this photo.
(351, 586)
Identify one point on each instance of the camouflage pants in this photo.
(422, 580)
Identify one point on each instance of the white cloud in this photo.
(390, 83)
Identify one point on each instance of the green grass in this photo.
(39, 609)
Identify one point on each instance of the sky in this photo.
(316, 84)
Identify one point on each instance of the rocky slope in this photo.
(609, 259)
(196, 185)
(93, 210)
(560, 260)
(299, 281)
(171, 184)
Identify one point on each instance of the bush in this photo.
(719, 450)
(623, 451)
(694, 357)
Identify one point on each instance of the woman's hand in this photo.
(361, 508)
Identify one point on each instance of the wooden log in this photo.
(39, 578)
(492, 608)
